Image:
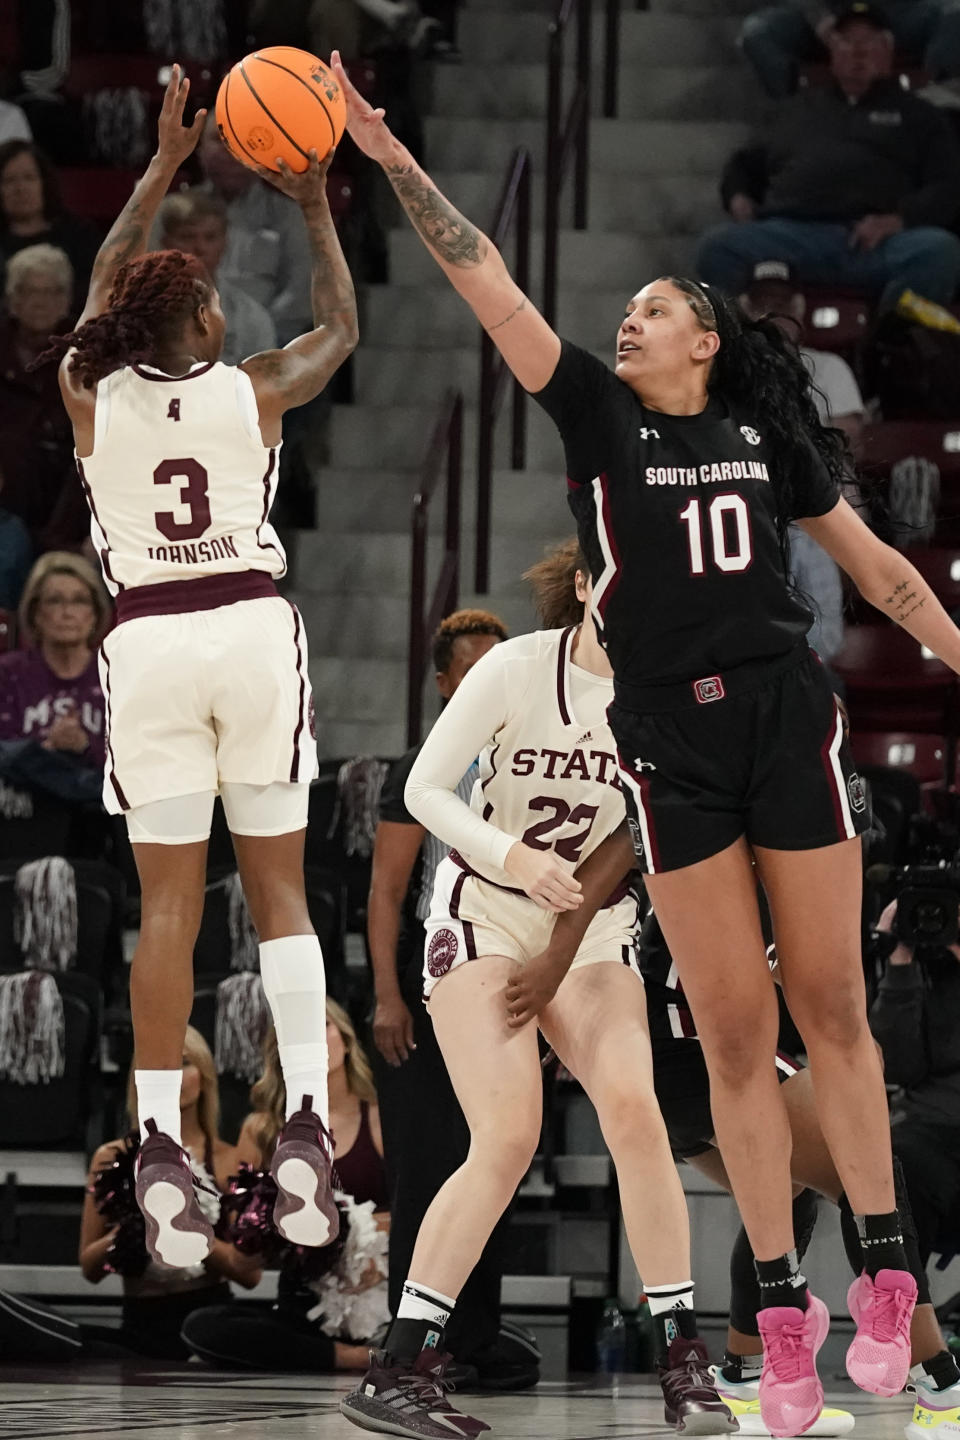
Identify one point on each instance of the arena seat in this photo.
(98, 194)
(924, 756)
(91, 72)
(940, 567)
(837, 319)
(892, 684)
(888, 441)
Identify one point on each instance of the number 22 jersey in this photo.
(677, 517)
(180, 483)
(548, 771)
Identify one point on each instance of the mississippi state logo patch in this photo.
(312, 719)
(441, 952)
(858, 794)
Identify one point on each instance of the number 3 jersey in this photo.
(677, 517)
(548, 772)
(180, 483)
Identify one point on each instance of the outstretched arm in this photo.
(283, 379)
(470, 261)
(128, 235)
(887, 579)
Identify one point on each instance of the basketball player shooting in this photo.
(205, 673)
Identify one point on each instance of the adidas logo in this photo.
(588, 735)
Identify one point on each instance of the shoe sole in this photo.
(706, 1425)
(305, 1212)
(753, 1425)
(178, 1235)
(393, 1427)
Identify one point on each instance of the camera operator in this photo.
(915, 1018)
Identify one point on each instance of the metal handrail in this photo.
(446, 444)
(565, 133)
(514, 204)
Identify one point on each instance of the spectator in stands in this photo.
(50, 691)
(156, 1298)
(32, 212)
(36, 441)
(773, 292)
(854, 184)
(196, 221)
(915, 1018)
(425, 1133)
(318, 1318)
(14, 125)
(779, 38)
(16, 553)
(267, 252)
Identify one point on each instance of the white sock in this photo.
(158, 1098)
(419, 1302)
(662, 1298)
(295, 986)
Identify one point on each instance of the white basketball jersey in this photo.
(549, 776)
(180, 483)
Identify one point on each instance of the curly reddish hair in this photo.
(151, 300)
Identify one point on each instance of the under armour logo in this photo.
(751, 436)
(639, 764)
(645, 434)
(173, 410)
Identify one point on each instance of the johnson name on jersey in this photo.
(180, 483)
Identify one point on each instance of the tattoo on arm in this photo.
(507, 318)
(904, 601)
(331, 286)
(448, 233)
(126, 239)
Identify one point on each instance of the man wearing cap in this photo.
(779, 38)
(852, 184)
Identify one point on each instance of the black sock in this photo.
(670, 1324)
(781, 1282)
(408, 1337)
(943, 1370)
(737, 1368)
(882, 1241)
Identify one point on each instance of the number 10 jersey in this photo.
(180, 483)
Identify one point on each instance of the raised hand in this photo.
(305, 186)
(366, 126)
(176, 140)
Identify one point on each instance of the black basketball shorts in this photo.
(760, 751)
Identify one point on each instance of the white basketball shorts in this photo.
(203, 697)
(470, 917)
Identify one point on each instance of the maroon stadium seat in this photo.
(923, 756)
(891, 685)
(89, 73)
(837, 319)
(97, 194)
(888, 441)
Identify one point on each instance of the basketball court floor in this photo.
(92, 1402)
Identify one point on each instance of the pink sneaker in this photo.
(878, 1359)
(791, 1396)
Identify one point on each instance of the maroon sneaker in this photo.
(178, 1232)
(690, 1400)
(305, 1212)
(408, 1399)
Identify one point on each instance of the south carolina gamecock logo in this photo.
(441, 952)
(858, 794)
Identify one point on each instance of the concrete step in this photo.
(346, 625)
(510, 89)
(357, 687)
(357, 499)
(620, 147)
(654, 37)
(387, 376)
(397, 435)
(385, 738)
(378, 502)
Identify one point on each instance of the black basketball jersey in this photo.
(677, 517)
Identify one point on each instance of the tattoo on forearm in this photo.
(905, 601)
(445, 230)
(507, 318)
(125, 240)
(331, 285)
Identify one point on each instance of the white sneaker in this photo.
(742, 1397)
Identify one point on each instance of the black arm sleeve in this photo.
(392, 807)
(577, 397)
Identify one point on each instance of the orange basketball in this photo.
(280, 101)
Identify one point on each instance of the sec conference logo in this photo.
(751, 436)
(441, 952)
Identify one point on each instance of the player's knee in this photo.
(739, 1049)
(506, 1148)
(629, 1115)
(836, 1020)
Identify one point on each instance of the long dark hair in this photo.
(760, 373)
(52, 202)
(151, 300)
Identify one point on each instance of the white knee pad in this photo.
(276, 809)
(179, 820)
